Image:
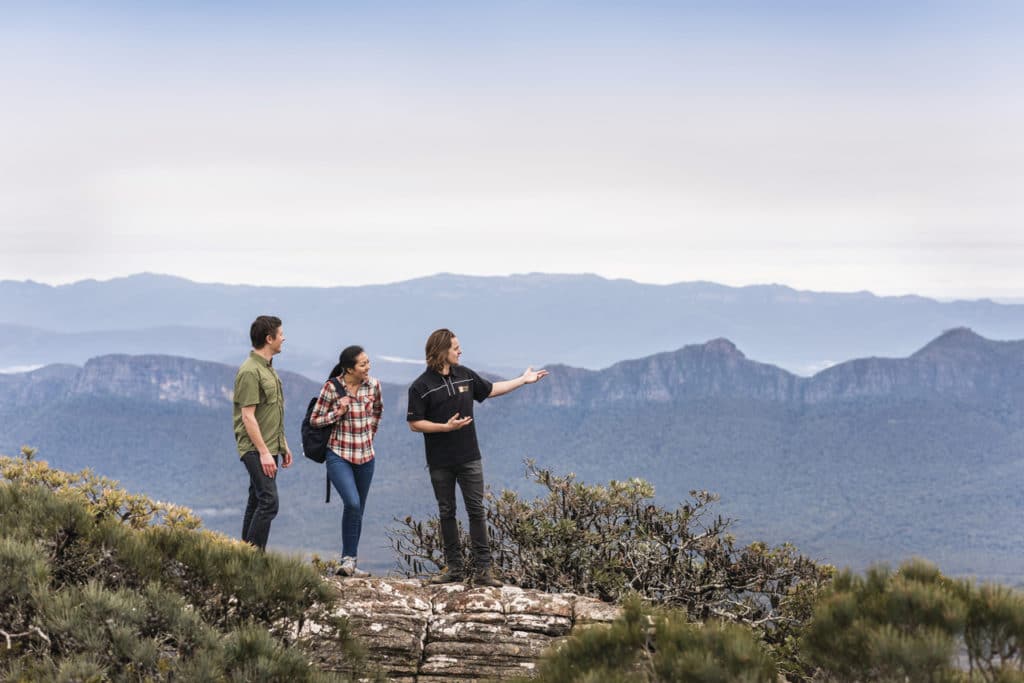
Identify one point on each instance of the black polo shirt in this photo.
(437, 397)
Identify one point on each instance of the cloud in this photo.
(397, 359)
(16, 369)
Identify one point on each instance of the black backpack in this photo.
(314, 439)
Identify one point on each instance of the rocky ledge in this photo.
(441, 634)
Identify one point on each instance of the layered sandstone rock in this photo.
(440, 634)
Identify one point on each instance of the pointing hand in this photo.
(530, 375)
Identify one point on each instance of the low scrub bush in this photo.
(916, 625)
(659, 646)
(99, 584)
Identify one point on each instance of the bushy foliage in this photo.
(659, 646)
(99, 584)
(612, 541)
(993, 630)
(912, 624)
(102, 497)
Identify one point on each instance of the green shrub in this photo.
(98, 584)
(993, 630)
(655, 646)
(910, 625)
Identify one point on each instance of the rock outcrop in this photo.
(441, 634)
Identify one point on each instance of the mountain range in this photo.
(873, 459)
(504, 323)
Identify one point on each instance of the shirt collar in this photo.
(261, 360)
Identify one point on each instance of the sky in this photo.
(831, 146)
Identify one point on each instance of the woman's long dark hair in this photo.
(346, 360)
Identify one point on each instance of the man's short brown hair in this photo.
(263, 327)
(438, 344)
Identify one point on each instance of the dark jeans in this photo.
(262, 506)
(352, 482)
(470, 478)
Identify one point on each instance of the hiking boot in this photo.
(447, 576)
(486, 578)
(348, 568)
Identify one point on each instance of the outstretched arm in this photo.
(529, 376)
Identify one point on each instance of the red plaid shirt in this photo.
(352, 436)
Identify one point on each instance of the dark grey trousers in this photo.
(470, 479)
(262, 506)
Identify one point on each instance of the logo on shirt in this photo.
(463, 389)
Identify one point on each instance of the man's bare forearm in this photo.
(505, 386)
(252, 428)
(428, 427)
(454, 424)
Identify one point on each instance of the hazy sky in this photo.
(824, 145)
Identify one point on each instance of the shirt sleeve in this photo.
(284, 437)
(247, 388)
(323, 414)
(417, 405)
(481, 387)
(378, 408)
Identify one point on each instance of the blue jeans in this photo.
(352, 482)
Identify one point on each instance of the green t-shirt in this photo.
(257, 384)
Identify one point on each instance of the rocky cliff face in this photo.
(145, 378)
(714, 369)
(958, 364)
(156, 378)
(442, 634)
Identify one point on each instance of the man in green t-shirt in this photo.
(259, 427)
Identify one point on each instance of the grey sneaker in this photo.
(486, 578)
(348, 568)
(447, 576)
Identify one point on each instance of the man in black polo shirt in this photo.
(441, 408)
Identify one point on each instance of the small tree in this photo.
(612, 541)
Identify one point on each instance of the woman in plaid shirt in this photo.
(355, 416)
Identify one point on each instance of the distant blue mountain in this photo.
(874, 459)
(504, 323)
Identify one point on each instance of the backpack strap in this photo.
(340, 390)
